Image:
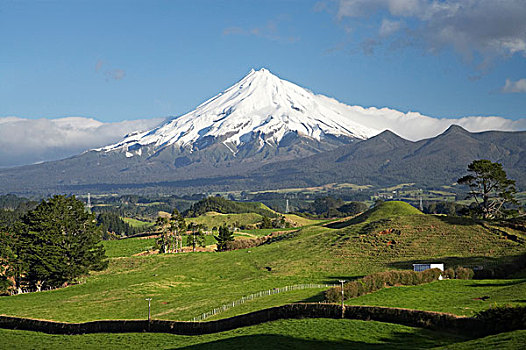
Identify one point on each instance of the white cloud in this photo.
(389, 27)
(511, 86)
(26, 141)
(415, 126)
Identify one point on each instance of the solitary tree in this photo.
(489, 186)
(58, 242)
(224, 236)
(196, 237)
(161, 225)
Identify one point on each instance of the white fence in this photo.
(259, 295)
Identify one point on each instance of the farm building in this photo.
(423, 267)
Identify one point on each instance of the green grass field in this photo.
(185, 285)
(286, 334)
(127, 247)
(138, 223)
(460, 297)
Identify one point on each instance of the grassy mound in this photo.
(387, 210)
(225, 206)
(211, 219)
(382, 211)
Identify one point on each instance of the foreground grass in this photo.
(460, 297)
(284, 334)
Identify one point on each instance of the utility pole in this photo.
(89, 203)
(149, 308)
(343, 309)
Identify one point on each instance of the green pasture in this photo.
(127, 247)
(138, 223)
(284, 334)
(460, 297)
(185, 285)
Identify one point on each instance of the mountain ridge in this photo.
(259, 112)
(264, 132)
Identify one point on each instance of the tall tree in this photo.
(177, 228)
(490, 187)
(224, 236)
(161, 224)
(59, 241)
(196, 237)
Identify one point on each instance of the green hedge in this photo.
(379, 280)
(502, 319)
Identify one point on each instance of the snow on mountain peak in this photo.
(260, 105)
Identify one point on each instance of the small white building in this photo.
(423, 267)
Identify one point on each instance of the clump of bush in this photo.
(449, 273)
(463, 273)
(379, 280)
(245, 243)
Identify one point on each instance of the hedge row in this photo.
(460, 273)
(502, 319)
(379, 280)
(487, 322)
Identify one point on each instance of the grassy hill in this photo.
(390, 236)
(185, 285)
(382, 211)
(211, 219)
(225, 206)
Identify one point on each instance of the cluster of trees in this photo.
(112, 223)
(172, 229)
(224, 236)
(50, 246)
(225, 206)
(268, 223)
(447, 208)
(328, 207)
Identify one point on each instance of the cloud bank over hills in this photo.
(27, 141)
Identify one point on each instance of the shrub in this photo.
(379, 280)
(449, 273)
(430, 275)
(463, 273)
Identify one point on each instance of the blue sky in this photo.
(116, 60)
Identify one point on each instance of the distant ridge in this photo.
(388, 159)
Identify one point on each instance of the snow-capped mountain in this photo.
(260, 114)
